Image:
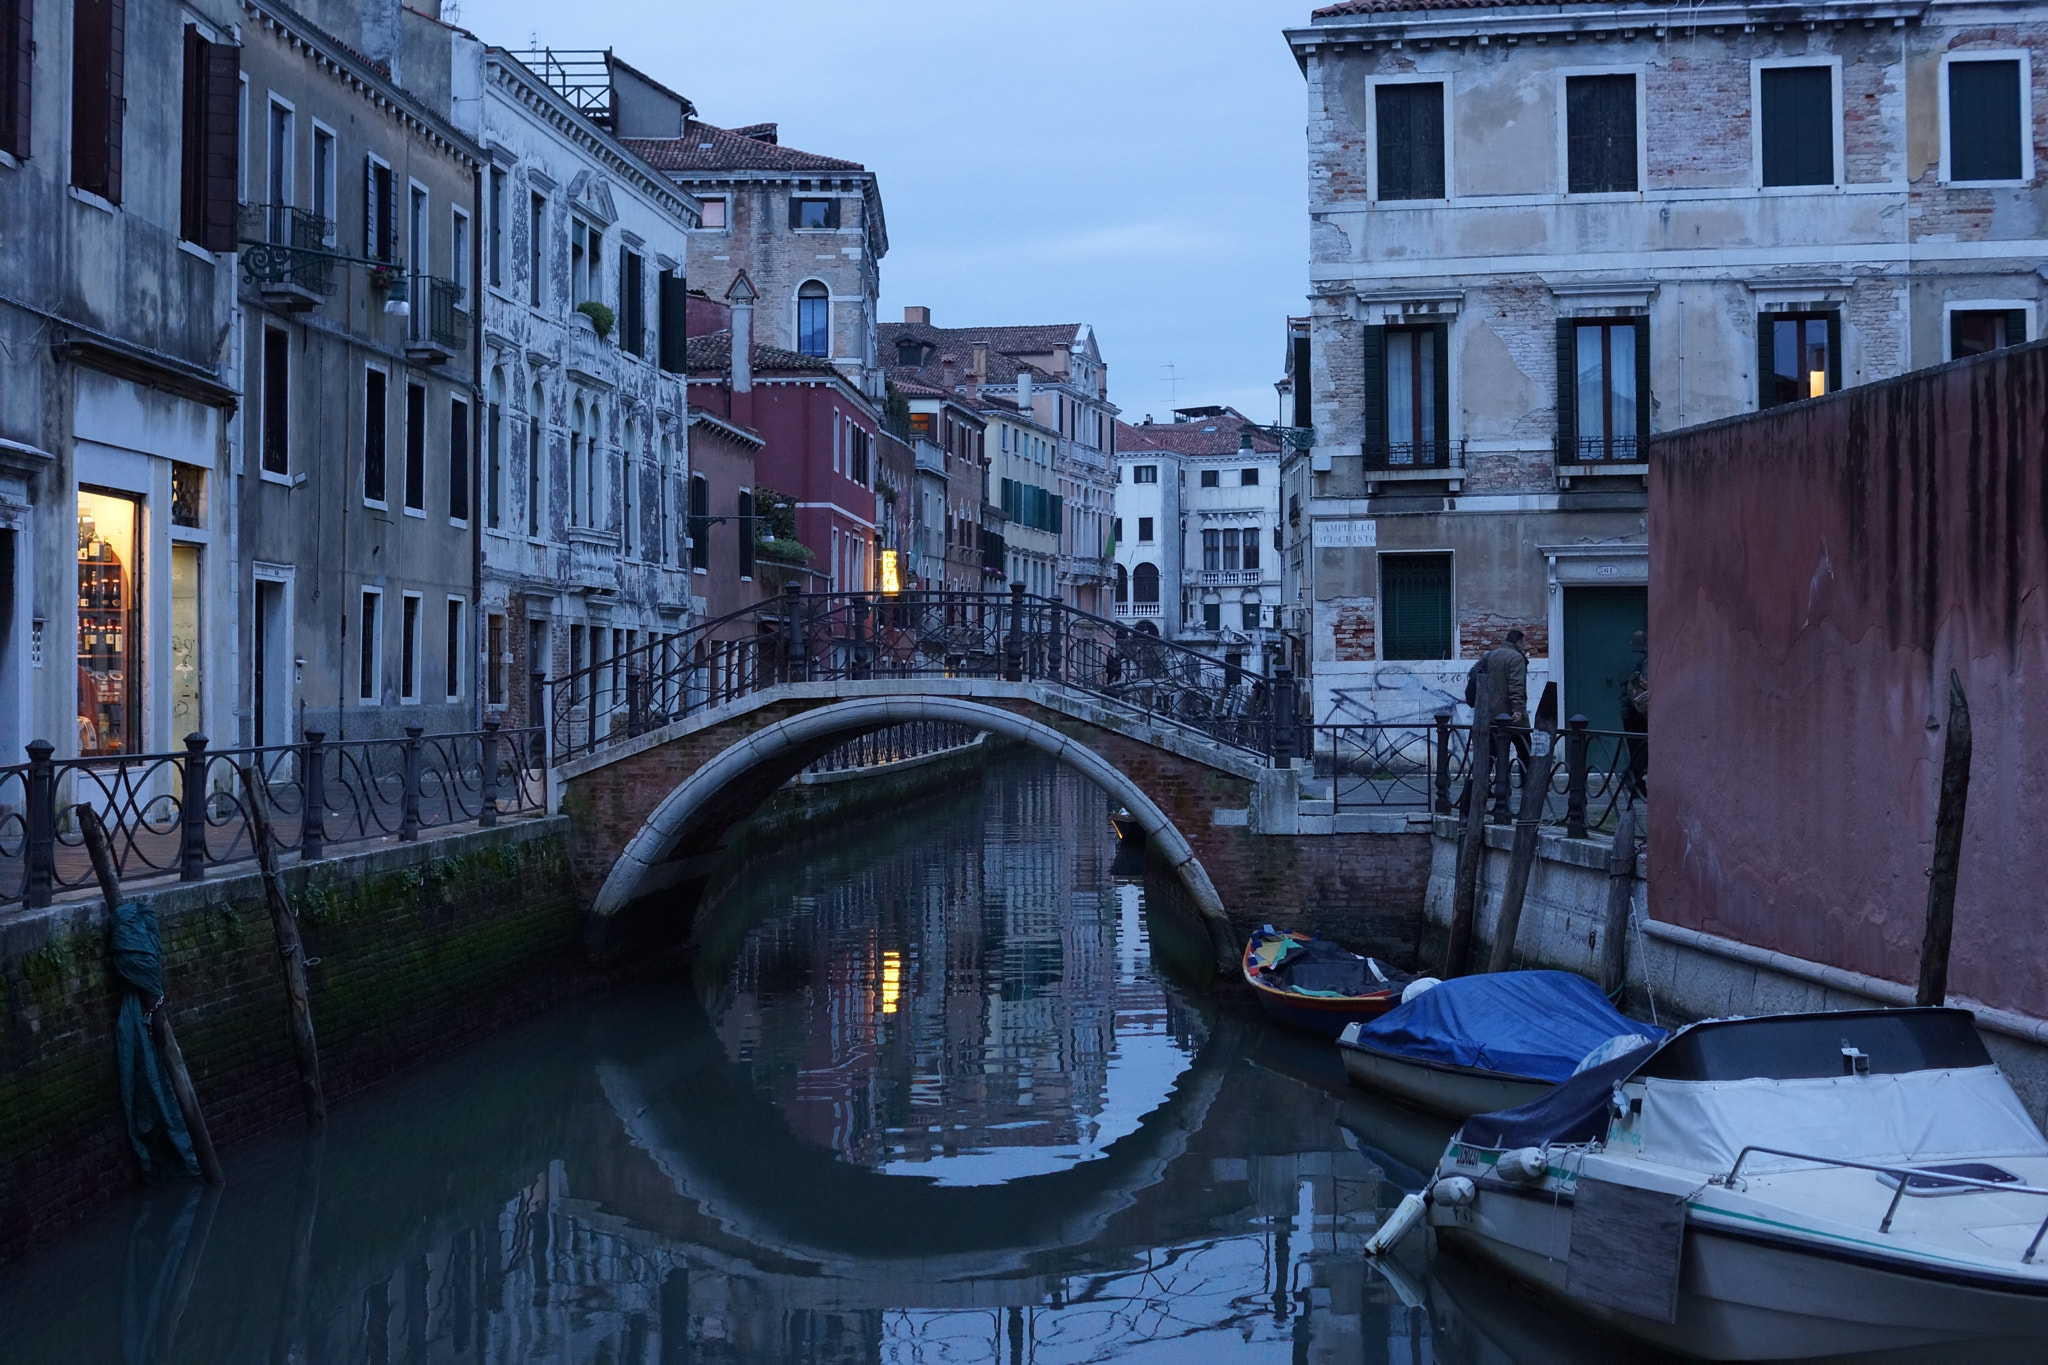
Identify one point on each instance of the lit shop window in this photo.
(109, 623)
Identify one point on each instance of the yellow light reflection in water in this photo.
(892, 981)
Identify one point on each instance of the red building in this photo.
(818, 437)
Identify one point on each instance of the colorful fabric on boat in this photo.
(156, 1125)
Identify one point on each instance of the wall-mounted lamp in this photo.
(398, 303)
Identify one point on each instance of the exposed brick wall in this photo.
(1353, 631)
(420, 946)
(1479, 631)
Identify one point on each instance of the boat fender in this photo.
(1453, 1191)
(1418, 986)
(1398, 1225)
(1522, 1165)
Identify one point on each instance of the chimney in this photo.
(980, 371)
(919, 317)
(1024, 390)
(741, 296)
(949, 372)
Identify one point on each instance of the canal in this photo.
(932, 1091)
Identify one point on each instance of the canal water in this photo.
(929, 1092)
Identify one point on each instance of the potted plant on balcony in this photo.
(601, 317)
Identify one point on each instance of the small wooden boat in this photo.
(1478, 1044)
(1310, 983)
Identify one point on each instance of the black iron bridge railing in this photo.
(181, 814)
(831, 637)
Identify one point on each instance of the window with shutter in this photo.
(1407, 398)
(416, 447)
(675, 322)
(98, 59)
(380, 212)
(17, 46)
(276, 401)
(1797, 127)
(1984, 133)
(1975, 331)
(1415, 607)
(1410, 141)
(1600, 134)
(632, 305)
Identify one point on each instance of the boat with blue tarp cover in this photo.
(1782, 1187)
(1480, 1043)
(1310, 983)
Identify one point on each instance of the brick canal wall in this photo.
(421, 947)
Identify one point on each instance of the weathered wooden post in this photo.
(291, 952)
(487, 776)
(1471, 844)
(1575, 778)
(192, 810)
(1948, 847)
(313, 800)
(159, 1015)
(1621, 887)
(799, 670)
(1013, 648)
(1443, 763)
(1528, 826)
(42, 823)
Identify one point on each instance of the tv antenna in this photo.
(1172, 383)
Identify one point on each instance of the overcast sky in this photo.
(1135, 164)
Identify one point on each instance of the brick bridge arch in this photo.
(653, 813)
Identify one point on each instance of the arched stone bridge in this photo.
(1169, 734)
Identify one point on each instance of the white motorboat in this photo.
(1778, 1187)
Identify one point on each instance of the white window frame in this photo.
(460, 236)
(418, 234)
(381, 504)
(1372, 139)
(452, 685)
(1953, 306)
(376, 697)
(1757, 67)
(2025, 57)
(1561, 92)
(328, 187)
(412, 698)
(725, 201)
(272, 102)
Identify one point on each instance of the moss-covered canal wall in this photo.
(420, 946)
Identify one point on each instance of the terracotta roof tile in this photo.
(703, 147)
(1219, 435)
(712, 355)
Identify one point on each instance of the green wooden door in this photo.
(1600, 626)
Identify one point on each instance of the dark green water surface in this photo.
(924, 1096)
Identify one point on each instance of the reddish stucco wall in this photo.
(1815, 574)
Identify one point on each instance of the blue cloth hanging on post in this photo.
(156, 1125)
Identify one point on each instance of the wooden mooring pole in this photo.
(1471, 846)
(102, 854)
(1621, 888)
(1515, 889)
(1948, 847)
(291, 952)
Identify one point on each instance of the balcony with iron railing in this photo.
(286, 256)
(1602, 455)
(438, 327)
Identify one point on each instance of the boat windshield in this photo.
(1787, 1047)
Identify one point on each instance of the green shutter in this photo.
(1834, 352)
(675, 322)
(2015, 326)
(1415, 606)
(1567, 392)
(1984, 120)
(1373, 396)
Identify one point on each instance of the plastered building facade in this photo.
(1541, 235)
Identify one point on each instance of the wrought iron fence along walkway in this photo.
(1594, 774)
(184, 813)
